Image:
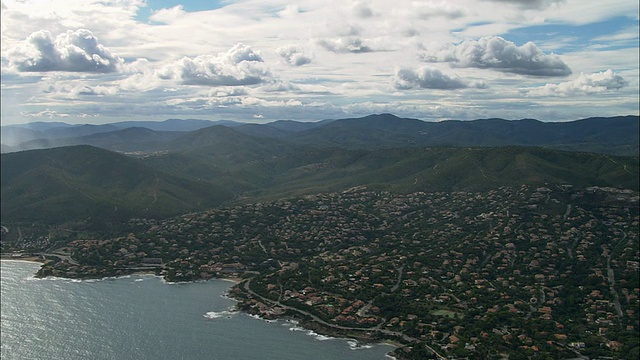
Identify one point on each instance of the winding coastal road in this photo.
(66, 258)
(247, 287)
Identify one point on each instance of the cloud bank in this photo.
(318, 60)
(345, 45)
(429, 78)
(74, 51)
(530, 4)
(494, 52)
(430, 9)
(241, 65)
(585, 84)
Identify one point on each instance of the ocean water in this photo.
(143, 317)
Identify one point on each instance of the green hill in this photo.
(84, 183)
(219, 165)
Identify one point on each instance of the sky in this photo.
(101, 61)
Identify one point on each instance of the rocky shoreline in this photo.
(246, 302)
(254, 304)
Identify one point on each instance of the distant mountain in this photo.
(616, 135)
(13, 136)
(613, 135)
(297, 126)
(78, 130)
(226, 156)
(174, 124)
(220, 139)
(125, 140)
(42, 135)
(40, 125)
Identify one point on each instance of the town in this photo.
(544, 272)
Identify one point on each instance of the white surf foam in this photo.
(219, 314)
(354, 345)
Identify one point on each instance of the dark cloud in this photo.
(429, 78)
(530, 4)
(494, 52)
(294, 55)
(241, 65)
(76, 51)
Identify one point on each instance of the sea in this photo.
(144, 317)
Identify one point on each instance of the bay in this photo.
(143, 317)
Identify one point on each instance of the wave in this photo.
(219, 314)
(294, 325)
(257, 317)
(226, 295)
(319, 337)
(322, 337)
(354, 345)
(70, 280)
(164, 281)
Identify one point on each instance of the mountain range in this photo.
(612, 135)
(102, 175)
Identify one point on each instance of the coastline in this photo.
(32, 259)
(310, 328)
(235, 280)
(262, 308)
(314, 329)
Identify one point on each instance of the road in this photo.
(66, 258)
(612, 283)
(247, 287)
(395, 287)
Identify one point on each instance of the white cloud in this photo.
(167, 16)
(531, 4)
(585, 84)
(45, 113)
(345, 45)
(293, 54)
(444, 9)
(241, 65)
(289, 11)
(494, 52)
(362, 10)
(113, 21)
(76, 89)
(74, 51)
(428, 78)
(348, 51)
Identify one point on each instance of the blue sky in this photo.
(99, 61)
(581, 35)
(152, 6)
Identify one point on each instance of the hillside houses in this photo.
(463, 272)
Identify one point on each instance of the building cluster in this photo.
(532, 271)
